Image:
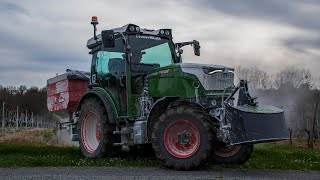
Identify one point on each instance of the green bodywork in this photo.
(168, 81)
(172, 82)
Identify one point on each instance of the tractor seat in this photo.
(143, 69)
(116, 67)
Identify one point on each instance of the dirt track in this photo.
(117, 173)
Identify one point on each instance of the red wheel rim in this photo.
(182, 138)
(98, 133)
(90, 132)
(228, 151)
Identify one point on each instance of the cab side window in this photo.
(111, 62)
(102, 63)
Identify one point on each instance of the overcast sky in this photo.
(40, 38)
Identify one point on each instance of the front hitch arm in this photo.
(244, 96)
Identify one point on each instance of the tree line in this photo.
(32, 99)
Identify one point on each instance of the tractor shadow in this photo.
(137, 153)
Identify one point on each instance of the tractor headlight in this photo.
(165, 32)
(131, 28)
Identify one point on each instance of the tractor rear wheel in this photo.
(95, 133)
(183, 138)
(236, 154)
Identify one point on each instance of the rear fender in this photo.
(105, 99)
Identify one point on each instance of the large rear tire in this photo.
(236, 154)
(95, 133)
(183, 138)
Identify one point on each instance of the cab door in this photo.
(110, 72)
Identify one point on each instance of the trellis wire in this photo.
(15, 118)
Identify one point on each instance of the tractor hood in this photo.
(204, 66)
(181, 79)
(211, 77)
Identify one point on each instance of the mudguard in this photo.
(106, 100)
(255, 124)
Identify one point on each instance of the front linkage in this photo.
(248, 121)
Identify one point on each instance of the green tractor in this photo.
(141, 95)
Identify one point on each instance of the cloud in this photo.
(12, 8)
(303, 14)
(41, 38)
(269, 34)
(303, 44)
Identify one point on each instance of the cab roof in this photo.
(92, 42)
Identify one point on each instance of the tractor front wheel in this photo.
(183, 138)
(236, 154)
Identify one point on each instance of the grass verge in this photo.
(39, 147)
(29, 136)
(281, 157)
(265, 156)
(27, 155)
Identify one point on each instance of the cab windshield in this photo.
(151, 50)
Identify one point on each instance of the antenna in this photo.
(94, 22)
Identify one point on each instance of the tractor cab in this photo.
(122, 58)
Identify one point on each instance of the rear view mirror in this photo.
(196, 47)
(108, 40)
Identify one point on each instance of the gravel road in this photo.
(116, 173)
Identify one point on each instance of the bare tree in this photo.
(296, 76)
(258, 79)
